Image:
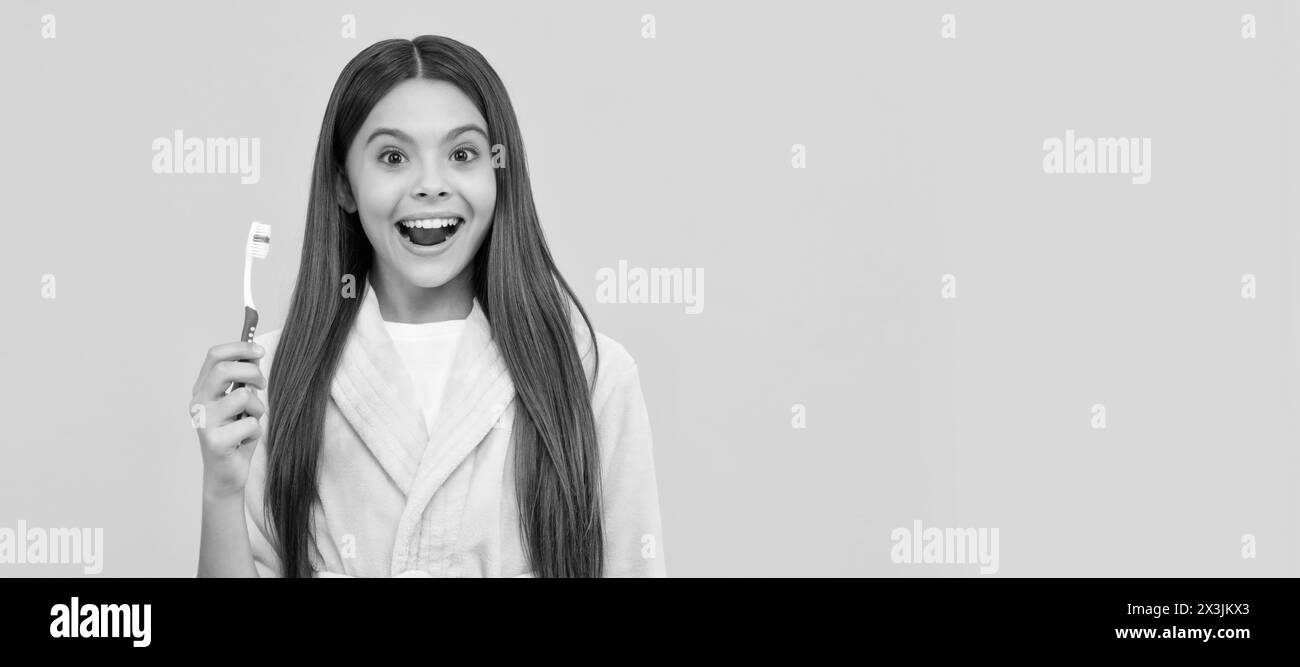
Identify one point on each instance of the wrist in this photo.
(217, 495)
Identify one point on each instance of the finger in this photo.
(242, 431)
(254, 406)
(226, 372)
(230, 406)
(226, 351)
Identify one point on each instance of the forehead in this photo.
(424, 109)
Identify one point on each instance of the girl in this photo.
(435, 407)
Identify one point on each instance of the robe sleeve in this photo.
(630, 496)
(265, 559)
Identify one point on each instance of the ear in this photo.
(343, 193)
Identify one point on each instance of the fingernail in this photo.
(258, 349)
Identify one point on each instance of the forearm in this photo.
(224, 549)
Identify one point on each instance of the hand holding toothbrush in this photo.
(231, 418)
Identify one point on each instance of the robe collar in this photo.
(373, 391)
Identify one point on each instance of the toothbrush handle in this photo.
(246, 335)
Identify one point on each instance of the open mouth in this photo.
(429, 232)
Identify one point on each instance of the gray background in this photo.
(822, 284)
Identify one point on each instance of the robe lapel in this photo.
(371, 389)
(478, 392)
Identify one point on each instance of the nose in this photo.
(426, 193)
(430, 184)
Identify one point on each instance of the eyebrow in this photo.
(468, 127)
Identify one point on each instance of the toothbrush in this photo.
(257, 247)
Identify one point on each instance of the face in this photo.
(422, 154)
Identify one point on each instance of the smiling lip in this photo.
(426, 216)
(427, 250)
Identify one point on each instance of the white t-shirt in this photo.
(427, 350)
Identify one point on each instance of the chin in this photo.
(429, 278)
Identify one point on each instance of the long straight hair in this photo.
(557, 466)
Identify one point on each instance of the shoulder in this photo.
(614, 356)
(616, 361)
(269, 342)
(616, 376)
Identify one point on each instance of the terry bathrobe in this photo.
(396, 501)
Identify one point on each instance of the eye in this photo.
(383, 157)
(464, 149)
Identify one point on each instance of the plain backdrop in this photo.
(924, 158)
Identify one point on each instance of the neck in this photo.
(400, 301)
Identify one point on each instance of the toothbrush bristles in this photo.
(259, 242)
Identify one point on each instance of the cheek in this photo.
(376, 198)
(482, 194)
(377, 192)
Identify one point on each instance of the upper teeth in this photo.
(429, 223)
